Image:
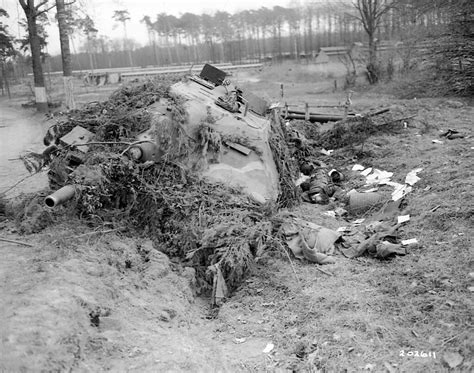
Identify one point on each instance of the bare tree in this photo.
(370, 14)
(32, 12)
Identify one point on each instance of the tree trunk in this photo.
(197, 58)
(297, 55)
(89, 52)
(372, 66)
(329, 40)
(170, 59)
(5, 79)
(372, 50)
(177, 43)
(125, 49)
(155, 55)
(222, 49)
(309, 43)
(259, 51)
(318, 34)
(65, 55)
(279, 39)
(40, 90)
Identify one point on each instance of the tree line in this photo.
(254, 35)
(265, 34)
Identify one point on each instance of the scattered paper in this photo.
(437, 141)
(358, 167)
(401, 191)
(343, 229)
(366, 172)
(379, 177)
(269, 348)
(410, 241)
(411, 177)
(403, 218)
(383, 178)
(369, 190)
(394, 184)
(326, 152)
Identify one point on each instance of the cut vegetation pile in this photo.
(215, 228)
(212, 227)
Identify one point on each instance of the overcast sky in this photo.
(101, 12)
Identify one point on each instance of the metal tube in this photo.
(60, 196)
(143, 152)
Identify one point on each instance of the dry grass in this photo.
(369, 311)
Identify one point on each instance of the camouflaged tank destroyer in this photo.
(240, 121)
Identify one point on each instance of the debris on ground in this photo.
(409, 242)
(380, 177)
(452, 134)
(219, 287)
(310, 241)
(412, 178)
(452, 359)
(403, 218)
(378, 241)
(378, 235)
(360, 202)
(268, 348)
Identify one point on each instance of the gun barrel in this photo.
(143, 152)
(60, 196)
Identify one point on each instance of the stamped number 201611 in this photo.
(430, 354)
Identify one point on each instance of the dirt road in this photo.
(20, 130)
